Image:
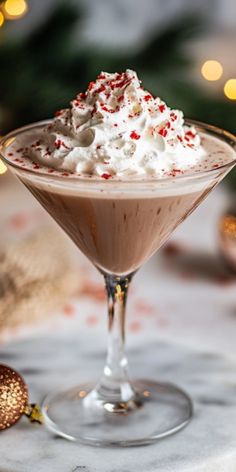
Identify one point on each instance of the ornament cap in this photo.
(34, 413)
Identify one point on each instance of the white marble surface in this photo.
(207, 444)
(181, 328)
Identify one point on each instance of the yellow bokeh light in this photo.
(212, 70)
(1, 19)
(15, 8)
(3, 168)
(230, 89)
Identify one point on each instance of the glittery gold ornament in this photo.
(227, 237)
(14, 399)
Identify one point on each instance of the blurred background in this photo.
(183, 51)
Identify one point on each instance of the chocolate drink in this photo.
(117, 234)
(118, 170)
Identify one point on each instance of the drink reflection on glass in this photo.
(119, 171)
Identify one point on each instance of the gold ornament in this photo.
(227, 238)
(14, 399)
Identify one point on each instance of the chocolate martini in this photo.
(119, 171)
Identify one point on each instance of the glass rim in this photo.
(220, 133)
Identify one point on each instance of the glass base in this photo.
(157, 411)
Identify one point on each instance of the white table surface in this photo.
(181, 327)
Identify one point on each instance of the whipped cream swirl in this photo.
(116, 128)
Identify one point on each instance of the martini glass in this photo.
(118, 225)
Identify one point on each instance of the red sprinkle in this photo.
(119, 75)
(106, 176)
(190, 134)
(101, 76)
(120, 84)
(162, 108)
(147, 98)
(163, 132)
(134, 135)
(173, 116)
(57, 144)
(83, 95)
(107, 109)
(174, 172)
(59, 113)
(102, 88)
(91, 85)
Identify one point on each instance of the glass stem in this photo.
(114, 384)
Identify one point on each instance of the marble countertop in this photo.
(181, 328)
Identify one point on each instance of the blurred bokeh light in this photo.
(15, 8)
(230, 89)
(1, 19)
(3, 168)
(212, 70)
